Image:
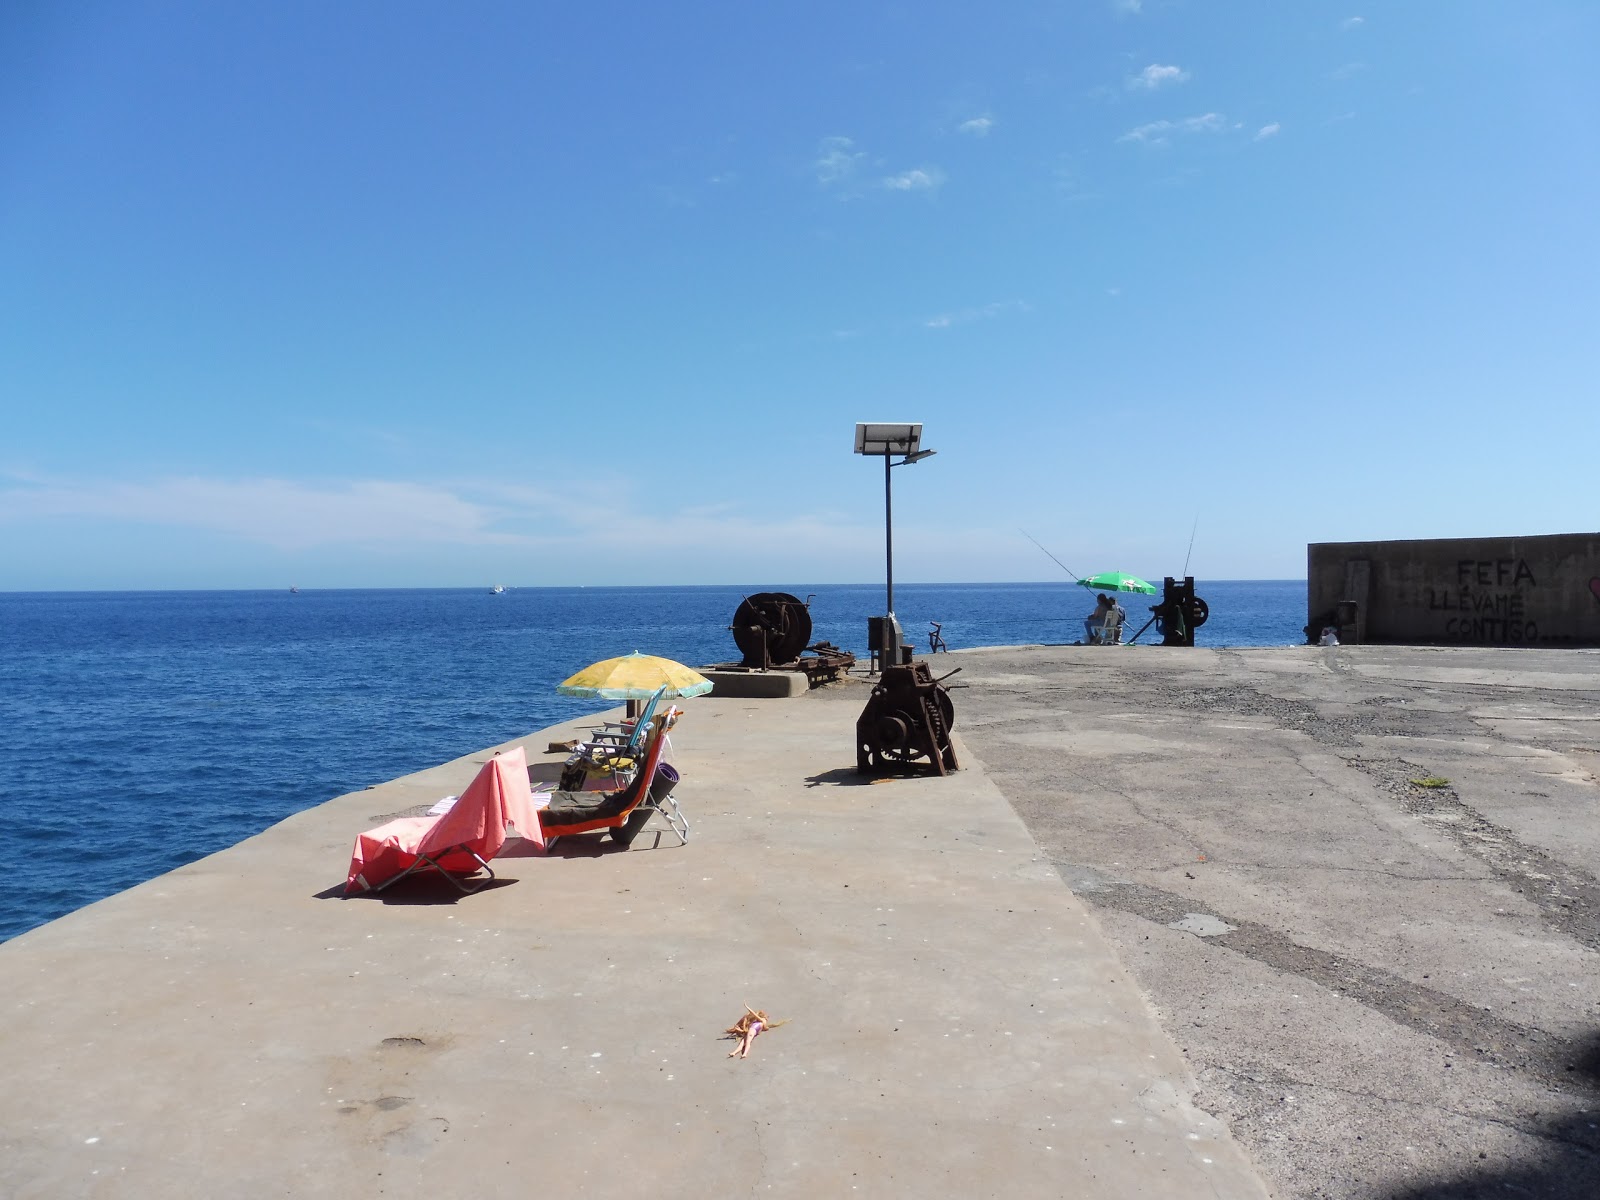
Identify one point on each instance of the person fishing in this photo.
(1095, 621)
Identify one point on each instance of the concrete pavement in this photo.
(957, 1023)
(1387, 990)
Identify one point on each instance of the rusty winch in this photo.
(771, 629)
(908, 718)
(1180, 612)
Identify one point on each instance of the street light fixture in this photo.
(889, 440)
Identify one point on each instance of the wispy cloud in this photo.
(840, 166)
(389, 517)
(987, 312)
(1156, 133)
(836, 161)
(1348, 71)
(1350, 23)
(1267, 131)
(1128, 6)
(977, 126)
(1156, 75)
(288, 514)
(918, 179)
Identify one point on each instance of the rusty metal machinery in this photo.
(908, 719)
(1180, 612)
(825, 663)
(771, 629)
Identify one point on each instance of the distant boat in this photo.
(497, 589)
(294, 591)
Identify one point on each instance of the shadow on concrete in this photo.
(425, 887)
(1567, 1164)
(584, 845)
(839, 777)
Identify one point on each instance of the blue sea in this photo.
(142, 730)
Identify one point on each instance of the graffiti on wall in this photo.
(1487, 603)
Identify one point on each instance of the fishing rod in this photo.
(1191, 543)
(1052, 557)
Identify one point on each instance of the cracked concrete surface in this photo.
(1408, 1003)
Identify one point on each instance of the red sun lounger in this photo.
(458, 842)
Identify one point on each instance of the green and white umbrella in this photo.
(1116, 581)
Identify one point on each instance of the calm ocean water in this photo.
(142, 730)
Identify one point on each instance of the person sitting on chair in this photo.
(1094, 621)
(1116, 618)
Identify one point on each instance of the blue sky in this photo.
(402, 294)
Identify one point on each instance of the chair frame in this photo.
(643, 781)
(606, 750)
(425, 861)
(1108, 632)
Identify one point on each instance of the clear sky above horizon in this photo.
(403, 294)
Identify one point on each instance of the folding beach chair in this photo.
(612, 750)
(626, 810)
(1109, 631)
(460, 841)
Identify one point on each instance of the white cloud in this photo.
(585, 521)
(1352, 23)
(836, 160)
(918, 179)
(285, 513)
(1156, 75)
(978, 126)
(986, 312)
(1267, 131)
(1155, 132)
(1127, 6)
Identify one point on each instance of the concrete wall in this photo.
(1516, 591)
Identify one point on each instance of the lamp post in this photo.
(888, 440)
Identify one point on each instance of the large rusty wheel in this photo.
(897, 744)
(771, 627)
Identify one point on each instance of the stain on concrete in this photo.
(1567, 897)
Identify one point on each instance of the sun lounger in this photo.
(459, 842)
(626, 810)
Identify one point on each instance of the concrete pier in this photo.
(1303, 922)
(1387, 989)
(956, 1023)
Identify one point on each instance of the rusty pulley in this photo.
(771, 629)
(908, 719)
